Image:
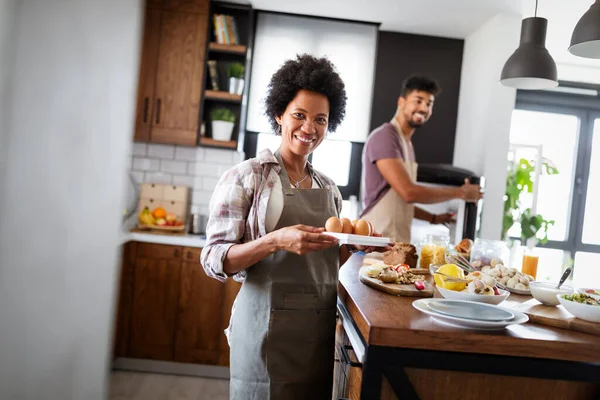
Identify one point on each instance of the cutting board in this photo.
(557, 317)
(394, 288)
(414, 271)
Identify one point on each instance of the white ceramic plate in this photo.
(423, 306)
(519, 291)
(359, 240)
(586, 312)
(454, 295)
(471, 310)
(596, 296)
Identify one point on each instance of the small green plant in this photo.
(520, 181)
(235, 70)
(222, 114)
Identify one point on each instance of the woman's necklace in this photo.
(297, 183)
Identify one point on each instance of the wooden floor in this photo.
(143, 386)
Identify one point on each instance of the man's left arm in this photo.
(433, 218)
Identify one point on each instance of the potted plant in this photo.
(223, 121)
(533, 226)
(235, 72)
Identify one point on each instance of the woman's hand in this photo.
(370, 249)
(302, 239)
(470, 192)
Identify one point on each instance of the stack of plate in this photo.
(470, 314)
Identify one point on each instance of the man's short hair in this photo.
(420, 83)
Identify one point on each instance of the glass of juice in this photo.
(530, 264)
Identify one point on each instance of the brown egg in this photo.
(346, 226)
(362, 228)
(333, 224)
(354, 221)
(372, 230)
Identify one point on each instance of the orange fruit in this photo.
(159, 212)
(334, 224)
(346, 226)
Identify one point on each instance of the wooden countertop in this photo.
(386, 320)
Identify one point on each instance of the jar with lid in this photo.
(433, 250)
(489, 252)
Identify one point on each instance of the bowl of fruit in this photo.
(452, 284)
(159, 219)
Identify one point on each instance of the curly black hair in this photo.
(420, 83)
(309, 73)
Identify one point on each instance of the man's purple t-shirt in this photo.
(384, 142)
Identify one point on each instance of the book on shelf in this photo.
(214, 75)
(225, 29)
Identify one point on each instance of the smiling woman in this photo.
(266, 228)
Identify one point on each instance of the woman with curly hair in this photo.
(265, 228)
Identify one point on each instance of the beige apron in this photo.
(392, 216)
(283, 328)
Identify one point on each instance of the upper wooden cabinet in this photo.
(171, 71)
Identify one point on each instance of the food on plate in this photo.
(373, 271)
(145, 217)
(464, 248)
(581, 298)
(477, 286)
(488, 280)
(451, 270)
(401, 253)
(346, 226)
(363, 228)
(595, 292)
(159, 212)
(509, 277)
(161, 222)
(334, 224)
(392, 275)
(171, 217)
(419, 285)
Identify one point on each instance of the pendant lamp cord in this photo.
(536, 4)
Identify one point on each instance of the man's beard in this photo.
(415, 125)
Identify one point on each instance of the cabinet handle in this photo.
(176, 253)
(346, 357)
(157, 111)
(189, 255)
(146, 101)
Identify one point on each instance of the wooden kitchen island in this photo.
(391, 350)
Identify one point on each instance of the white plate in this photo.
(454, 295)
(423, 306)
(471, 310)
(518, 291)
(587, 312)
(359, 240)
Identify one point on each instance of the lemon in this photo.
(450, 270)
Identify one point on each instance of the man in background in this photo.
(389, 172)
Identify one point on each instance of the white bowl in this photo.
(595, 295)
(545, 292)
(481, 298)
(586, 312)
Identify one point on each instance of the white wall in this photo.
(73, 77)
(484, 113)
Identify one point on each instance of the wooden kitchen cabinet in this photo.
(124, 301)
(171, 71)
(199, 327)
(154, 306)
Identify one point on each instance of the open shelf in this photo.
(227, 48)
(206, 141)
(220, 95)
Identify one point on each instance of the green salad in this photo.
(581, 298)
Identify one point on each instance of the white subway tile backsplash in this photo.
(183, 180)
(201, 197)
(189, 153)
(208, 184)
(138, 176)
(145, 164)
(139, 149)
(173, 166)
(157, 177)
(161, 151)
(204, 169)
(218, 156)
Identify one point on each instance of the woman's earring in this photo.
(278, 130)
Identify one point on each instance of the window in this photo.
(565, 127)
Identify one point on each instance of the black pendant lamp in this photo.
(531, 66)
(585, 41)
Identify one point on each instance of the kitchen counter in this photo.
(186, 240)
(396, 341)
